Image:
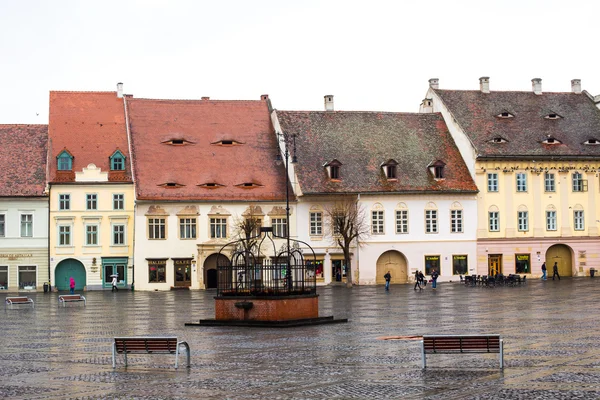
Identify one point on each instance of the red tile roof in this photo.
(23, 154)
(203, 167)
(91, 126)
(525, 132)
(363, 141)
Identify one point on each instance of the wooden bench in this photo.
(68, 298)
(18, 300)
(148, 345)
(465, 344)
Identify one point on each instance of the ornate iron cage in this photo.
(250, 271)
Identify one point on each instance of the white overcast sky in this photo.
(370, 54)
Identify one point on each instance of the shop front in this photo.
(114, 266)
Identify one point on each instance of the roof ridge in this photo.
(2, 125)
(362, 112)
(501, 91)
(84, 91)
(192, 100)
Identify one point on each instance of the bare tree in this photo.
(348, 226)
(247, 227)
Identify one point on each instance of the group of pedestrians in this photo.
(554, 271)
(420, 280)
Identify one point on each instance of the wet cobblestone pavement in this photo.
(550, 332)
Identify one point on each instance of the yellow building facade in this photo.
(535, 212)
(91, 234)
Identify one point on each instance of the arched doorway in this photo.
(563, 256)
(210, 271)
(66, 269)
(395, 262)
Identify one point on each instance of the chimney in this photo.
(426, 106)
(536, 85)
(120, 90)
(576, 86)
(204, 98)
(264, 97)
(328, 102)
(434, 83)
(484, 84)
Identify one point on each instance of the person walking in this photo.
(72, 285)
(114, 284)
(544, 271)
(434, 276)
(555, 271)
(422, 280)
(417, 280)
(388, 278)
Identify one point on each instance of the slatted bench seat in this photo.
(462, 344)
(148, 345)
(18, 300)
(68, 298)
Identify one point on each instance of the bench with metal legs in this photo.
(148, 345)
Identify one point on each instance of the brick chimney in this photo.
(576, 86)
(536, 85)
(264, 97)
(204, 98)
(328, 102)
(120, 90)
(484, 84)
(434, 83)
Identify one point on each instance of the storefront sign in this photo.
(15, 256)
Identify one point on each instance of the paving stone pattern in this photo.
(550, 331)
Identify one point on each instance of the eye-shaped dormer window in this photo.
(177, 142)
(505, 114)
(499, 140)
(211, 185)
(227, 142)
(171, 185)
(551, 140)
(553, 116)
(592, 142)
(249, 185)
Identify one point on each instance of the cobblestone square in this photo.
(549, 330)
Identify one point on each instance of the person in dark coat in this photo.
(388, 278)
(555, 271)
(417, 280)
(544, 271)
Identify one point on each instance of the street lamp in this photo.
(286, 138)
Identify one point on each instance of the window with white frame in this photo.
(157, 228)
(550, 220)
(91, 235)
(26, 225)
(218, 228)
(64, 235)
(3, 277)
(521, 182)
(118, 234)
(523, 220)
(2, 225)
(431, 221)
(579, 184)
(118, 201)
(377, 226)
(456, 221)
(494, 221)
(549, 184)
(91, 201)
(401, 221)
(187, 228)
(578, 221)
(27, 276)
(492, 182)
(316, 223)
(64, 201)
(279, 226)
